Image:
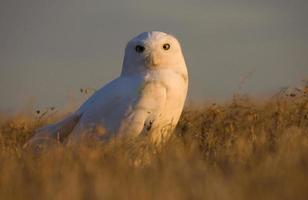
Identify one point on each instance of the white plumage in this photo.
(146, 99)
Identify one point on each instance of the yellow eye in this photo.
(166, 46)
(139, 48)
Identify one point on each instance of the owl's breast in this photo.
(176, 91)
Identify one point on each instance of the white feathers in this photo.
(146, 99)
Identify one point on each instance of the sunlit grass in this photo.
(237, 150)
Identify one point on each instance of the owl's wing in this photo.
(144, 112)
(54, 133)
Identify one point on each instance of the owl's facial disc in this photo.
(152, 50)
(156, 49)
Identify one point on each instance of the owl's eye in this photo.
(166, 46)
(139, 48)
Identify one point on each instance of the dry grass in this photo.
(237, 150)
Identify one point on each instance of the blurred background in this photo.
(49, 49)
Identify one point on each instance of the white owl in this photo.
(146, 99)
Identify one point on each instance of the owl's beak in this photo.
(152, 60)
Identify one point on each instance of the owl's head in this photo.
(152, 50)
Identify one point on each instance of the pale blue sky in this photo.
(49, 49)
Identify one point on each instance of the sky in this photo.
(49, 49)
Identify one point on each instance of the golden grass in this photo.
(237, 150)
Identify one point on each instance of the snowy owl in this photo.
(146, 99)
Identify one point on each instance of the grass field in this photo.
(243, 149)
